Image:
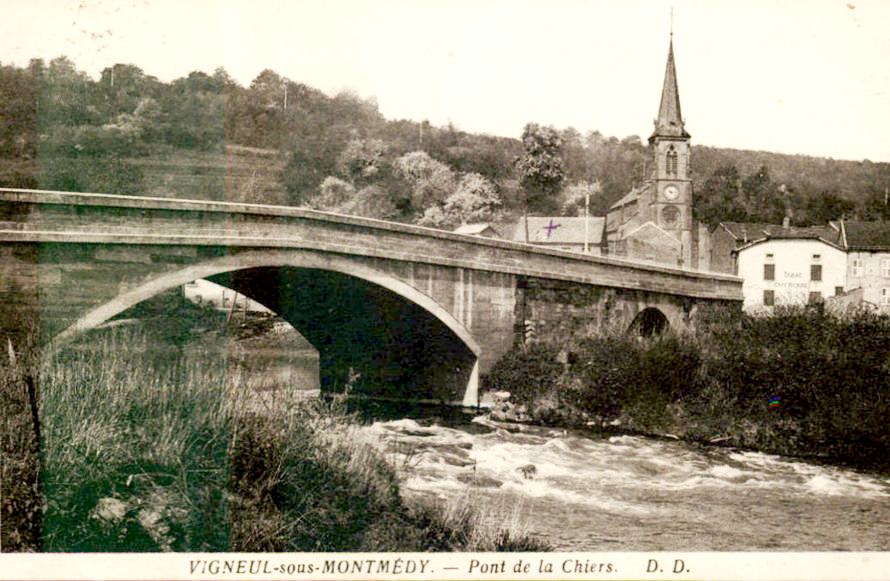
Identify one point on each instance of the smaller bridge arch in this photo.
(650, 322)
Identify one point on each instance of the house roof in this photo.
(751, 234)
(475, 229)
(562, 230)
(867, 235)
(747, 232)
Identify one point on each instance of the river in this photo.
(586, 493)
(630, 493)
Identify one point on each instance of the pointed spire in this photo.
(670, 120)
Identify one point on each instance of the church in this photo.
(654, 221)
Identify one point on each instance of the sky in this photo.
(792, 76)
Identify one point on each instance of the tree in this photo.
(541, 169)
(333, 193)
(304, 171)
(761, 202)
(475, 200)
(431, 181)
(576, 195)
(371, 202)
(719, 200)
(827, 206)
(362, 160)
(875, 207)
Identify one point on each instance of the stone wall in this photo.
(561, 312)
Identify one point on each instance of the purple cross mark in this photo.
(551, 227)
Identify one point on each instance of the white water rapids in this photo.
(634, 493)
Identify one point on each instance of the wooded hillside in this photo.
(280, 141)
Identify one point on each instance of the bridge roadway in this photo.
(416, 312)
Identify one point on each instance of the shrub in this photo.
(605, 371)
(623, 374)
(815, 380)
(528, 372)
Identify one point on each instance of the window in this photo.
(815, 297)
(817, 258)
(769, 298)
(838, 290)
(670, 215)
(885, 267)
(885, 296)
(769, 272)
(671, 161)
(815, 272)
(858, 267)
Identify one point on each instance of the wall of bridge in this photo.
(71, 261)
(559, 312)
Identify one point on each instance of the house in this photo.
(563, 233)
(868, 260)
(484, 229)
(784, 265)
(725, 240)
(204, 292)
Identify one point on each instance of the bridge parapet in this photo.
(65, 217)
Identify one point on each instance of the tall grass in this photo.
(153, 446)
(20, 502)
(135, 446)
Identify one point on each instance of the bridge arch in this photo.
(649, 322)
(465, 373)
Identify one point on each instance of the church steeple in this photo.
(670, 120)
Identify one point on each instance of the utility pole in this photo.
(525, 214)
(587, 219)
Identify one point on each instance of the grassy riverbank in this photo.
(801, 382)
(148, 445)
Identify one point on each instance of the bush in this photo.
(604, 371)
(528, 372)
(611, 376)
(174, 318)
(801, 381)
(819, 379)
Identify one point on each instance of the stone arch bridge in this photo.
(418, 313)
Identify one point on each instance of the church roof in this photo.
(670, 119)
(561, 231)
(629, 197)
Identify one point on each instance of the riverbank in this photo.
(148, 444)
(801, 382)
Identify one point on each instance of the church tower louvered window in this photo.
(671, 161)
